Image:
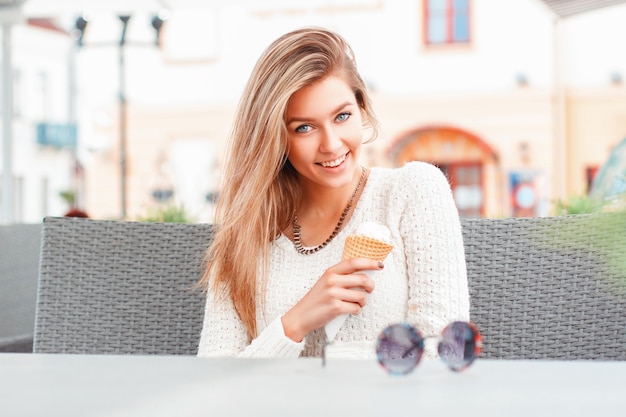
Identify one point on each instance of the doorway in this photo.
(465, 159)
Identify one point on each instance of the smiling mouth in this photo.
(334, 163)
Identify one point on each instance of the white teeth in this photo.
(332, 164)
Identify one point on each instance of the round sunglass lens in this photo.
(460, 344)
(399, 348)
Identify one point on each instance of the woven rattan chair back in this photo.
(549, 288)
(19, 259)
(540, 288)
(115, 287)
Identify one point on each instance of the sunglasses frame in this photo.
(417, 342)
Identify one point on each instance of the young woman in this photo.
(293, 189)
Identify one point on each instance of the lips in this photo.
(334, 162)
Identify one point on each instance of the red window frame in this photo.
(452, 13)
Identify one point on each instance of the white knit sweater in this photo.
(424, 281)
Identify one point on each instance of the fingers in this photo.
(353, 295)
(323, 303)
(342, 289)
(349, 266)
(351, 281)
(348, 301)
(349, 308)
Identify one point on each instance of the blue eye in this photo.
(343, 117)
(303, 129)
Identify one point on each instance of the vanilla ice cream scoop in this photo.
(375, 231)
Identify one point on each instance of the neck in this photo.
(323, 225)
(320, 203)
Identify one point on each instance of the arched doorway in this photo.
(468, 162)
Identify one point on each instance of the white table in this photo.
(85, 385)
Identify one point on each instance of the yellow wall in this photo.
(596, 122)
(504, 121)
(151, 132)
(518, 126)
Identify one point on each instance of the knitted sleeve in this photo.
(434, 253)
(224, 335)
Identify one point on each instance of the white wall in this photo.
(42, 172)
(209, 51)
(594, 46)
(510, 38)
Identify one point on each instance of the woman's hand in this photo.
(338, 291)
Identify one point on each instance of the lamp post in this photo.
(122, 124)
(157, 23)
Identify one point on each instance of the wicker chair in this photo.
(549, 288)
(114, 287)
(19, 260)
(544, 288)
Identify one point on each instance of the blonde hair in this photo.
(260, 192)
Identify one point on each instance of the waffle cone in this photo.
(359, 246)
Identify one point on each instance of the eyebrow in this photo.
(336, 110)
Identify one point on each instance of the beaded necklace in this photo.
(297, 239)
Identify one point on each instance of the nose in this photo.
(330, 140)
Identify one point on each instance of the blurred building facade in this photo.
(43, 139)
(517, 106)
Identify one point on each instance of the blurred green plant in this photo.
(599, 236)
(585, 204)
(578, 204)
(167, 214)
(68, 196)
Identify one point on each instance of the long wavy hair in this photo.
(260, 192)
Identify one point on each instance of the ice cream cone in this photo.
(360, 246)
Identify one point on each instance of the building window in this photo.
(466, 182)
(446, 21)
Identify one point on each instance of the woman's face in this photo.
(325, 132)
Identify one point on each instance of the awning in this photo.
(566, 8)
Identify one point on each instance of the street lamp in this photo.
(123, 127)
(157, 23)
(81, 24)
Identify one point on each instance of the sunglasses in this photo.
(399, 347)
